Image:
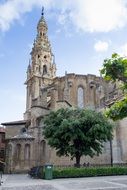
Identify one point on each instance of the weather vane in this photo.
(42, 13)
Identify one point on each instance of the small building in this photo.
(2, 147)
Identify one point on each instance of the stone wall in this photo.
(12, 130)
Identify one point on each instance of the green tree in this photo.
(77, 132)
(115, 70)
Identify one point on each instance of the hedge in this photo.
(88, 172)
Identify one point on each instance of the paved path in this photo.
(24, 182)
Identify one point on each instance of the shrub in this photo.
(89, 172)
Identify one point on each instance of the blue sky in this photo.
(82, 34)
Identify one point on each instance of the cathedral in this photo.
(25, 144)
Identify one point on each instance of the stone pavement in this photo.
(24, 182)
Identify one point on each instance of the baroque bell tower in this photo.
(42, 68)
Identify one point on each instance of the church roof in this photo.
(15, 123)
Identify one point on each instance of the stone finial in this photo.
(53, 58)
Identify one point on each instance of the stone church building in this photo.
(26, 146)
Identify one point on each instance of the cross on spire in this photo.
(42, 13)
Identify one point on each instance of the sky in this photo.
(82, 34)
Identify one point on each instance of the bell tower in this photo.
(42, 68)
(41, 55)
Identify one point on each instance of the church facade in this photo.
(26, 146)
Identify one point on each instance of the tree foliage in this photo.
(77, 132)
(115, 69)
(118, 110)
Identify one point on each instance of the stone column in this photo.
(116, 146)
(54, 98)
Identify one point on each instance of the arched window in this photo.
(9, 150)
(80, 97)
(43, 149)
(18, 152)
(44, 69)
(92, 95)
(9, 157)
(27, 152)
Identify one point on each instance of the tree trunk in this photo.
(77, 160)
(111, 153)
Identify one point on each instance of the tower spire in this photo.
(43, 63)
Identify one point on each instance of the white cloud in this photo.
(86, 15)
(123, 50)
(62, 18)
(100, 16)
(101, 46)
(13, 10)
